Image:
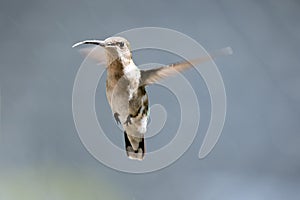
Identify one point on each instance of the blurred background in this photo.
(258, 154)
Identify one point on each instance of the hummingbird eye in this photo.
(121, 44)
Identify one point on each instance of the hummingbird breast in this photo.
(123, 92)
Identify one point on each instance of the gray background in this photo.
(258, 154)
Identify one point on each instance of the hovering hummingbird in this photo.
(125, 89)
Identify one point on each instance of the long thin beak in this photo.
(95, 42)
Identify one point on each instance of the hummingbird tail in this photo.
(135, 147)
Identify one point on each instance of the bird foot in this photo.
(116, 116)
(128, 120)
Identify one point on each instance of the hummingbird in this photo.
(126, 88)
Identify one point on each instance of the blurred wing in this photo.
(153, 75)
(95, 53)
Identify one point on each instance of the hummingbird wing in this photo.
(153, 75)
(95, 53)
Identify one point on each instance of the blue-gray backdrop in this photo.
(258, 154)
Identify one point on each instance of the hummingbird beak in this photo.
(95, 42)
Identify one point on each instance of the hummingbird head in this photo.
(116, 48)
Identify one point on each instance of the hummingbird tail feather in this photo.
(135, 147)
